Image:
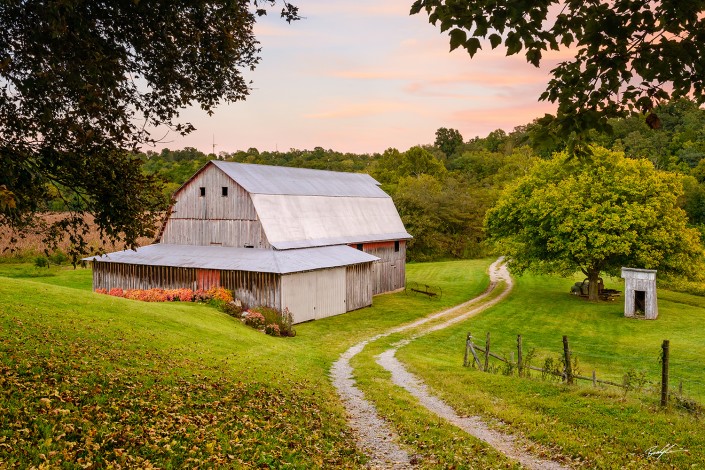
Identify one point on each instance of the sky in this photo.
(363, 76)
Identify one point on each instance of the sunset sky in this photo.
(364, 76)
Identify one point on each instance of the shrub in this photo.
(117, 292)
(58, 257)
(272, 329)
(41, 262)
(283, 319)
(101, 291)
(220, 294)
(232, 308)
(254, 319)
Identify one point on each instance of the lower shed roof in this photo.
(239, 259)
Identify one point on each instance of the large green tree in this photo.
(628, 55)
(566, 216)
(81, 84)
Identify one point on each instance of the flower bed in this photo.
(217, 294)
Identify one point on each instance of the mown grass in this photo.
(89, 379)
(589, 427)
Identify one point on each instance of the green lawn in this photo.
(590, 427)
(92, 379)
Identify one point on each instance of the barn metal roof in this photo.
(239, 259)
(265, 179)
(294, 221)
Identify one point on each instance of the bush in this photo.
(254, 319)
(283, 319)
(41, 262)
(232, 308)
(272, 329)
(58, 257)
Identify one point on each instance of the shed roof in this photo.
(239, 259)
(265, 179)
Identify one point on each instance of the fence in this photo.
(566, 370)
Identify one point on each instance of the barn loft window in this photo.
(225, 191)
(359, 246)
(203, 191)
(396, 246)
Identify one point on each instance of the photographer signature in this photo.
(658, 452)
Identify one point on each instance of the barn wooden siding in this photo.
(253, 289)
(358, 280)
(389, 273)
(214, 219)
(139, 276)
(316, 294)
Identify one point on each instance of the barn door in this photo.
(207, 278)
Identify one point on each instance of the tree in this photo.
(448, 141)
(566, 216)
(82, 82)
(630, 54)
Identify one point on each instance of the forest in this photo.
(443, 189)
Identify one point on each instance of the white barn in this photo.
(319, 243)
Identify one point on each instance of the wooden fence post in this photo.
(474, 353)
(594, 379)
(519, 356)
(467, 349)
(487, 352)
(664, 372)
(568, 368)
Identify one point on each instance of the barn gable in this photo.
(212, 209)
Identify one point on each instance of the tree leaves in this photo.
(84, 82)
(630, 55)
(611, 212)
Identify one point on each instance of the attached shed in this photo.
(319, 243)
(312, 283)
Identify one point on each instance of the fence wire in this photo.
(640, 373)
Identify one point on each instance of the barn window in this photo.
(396, 246)
(203, 191)
(359, 246)
(225, 191)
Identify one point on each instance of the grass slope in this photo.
(92, 380)
(589, 427)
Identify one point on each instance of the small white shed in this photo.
(640, 293)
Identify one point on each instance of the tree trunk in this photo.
(593, 277)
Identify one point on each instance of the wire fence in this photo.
(672, 380)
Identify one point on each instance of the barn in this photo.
(319, 243)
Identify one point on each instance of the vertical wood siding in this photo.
(238, 233)
(314, 294)
(253, 289)
(299, 295)
(214, 219)
(358, 286)
(389, 273)
(137, 276)
(207, 278)
(330, 292)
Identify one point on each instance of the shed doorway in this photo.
(640, 302)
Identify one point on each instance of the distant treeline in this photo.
(443, 189)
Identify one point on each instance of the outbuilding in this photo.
(319, 243)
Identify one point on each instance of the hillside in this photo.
(92, 379)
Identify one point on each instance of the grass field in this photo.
(588, 427)
(89, 379)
